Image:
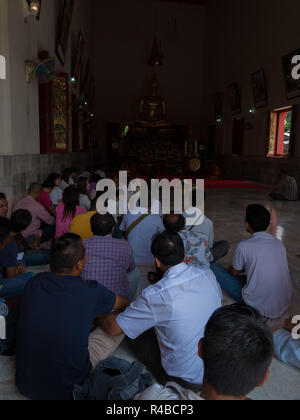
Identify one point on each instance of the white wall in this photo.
(20, 42)
(20, 159)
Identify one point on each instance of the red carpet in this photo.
(209, 184)
(232, 185)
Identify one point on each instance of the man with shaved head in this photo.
(43, 224)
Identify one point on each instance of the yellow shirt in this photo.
(81, 225)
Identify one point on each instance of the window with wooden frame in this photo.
(281, 132)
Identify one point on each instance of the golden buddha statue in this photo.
(153, 108)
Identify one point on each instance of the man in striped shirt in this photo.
(287, 189)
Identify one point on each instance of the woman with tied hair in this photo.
(56, 194)
(67, 210)
(83, 188)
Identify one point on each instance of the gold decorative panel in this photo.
(60, 113)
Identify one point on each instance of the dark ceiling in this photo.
(200, 2)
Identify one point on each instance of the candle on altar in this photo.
(196, 147)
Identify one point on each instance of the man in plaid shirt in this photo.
(109, 260)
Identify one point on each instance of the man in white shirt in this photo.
(140, 230)
(164, 324)
(237, 351)
(267, 285)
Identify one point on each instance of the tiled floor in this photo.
(227, 209)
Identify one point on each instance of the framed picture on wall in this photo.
(260, 91)
(235, 99)
(292, 85)
(63, 32)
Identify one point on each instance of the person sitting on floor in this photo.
(110, 261)
(87, 173)
(237, 351)
(45, 198)
(81, 225)
(165, 323)
(267, 285)
(67, 210)
(3, 205)
(197, 251)
(33, 254)
(66, 175)
(140, 229)
(13, 276)
(73, 176)
(55, 347)
(43, 224)
(218, 249)
(83, 187)
(56, 194)
(93, 185)
(286, 190)
(287, 348)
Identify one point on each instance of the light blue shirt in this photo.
(206, 228)
(178, 307)
(287, 349)
(142, 236)
(196, 247)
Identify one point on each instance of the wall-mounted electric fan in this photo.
(43, 72)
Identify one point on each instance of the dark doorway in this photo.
(238, 137)
(211, 150)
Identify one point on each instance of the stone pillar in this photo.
(6, 146)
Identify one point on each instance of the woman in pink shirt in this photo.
(67, 210)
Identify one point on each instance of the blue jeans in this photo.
(232, 284)
(134, 281)
(113, 380)
(14, 287)
(34, 258)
